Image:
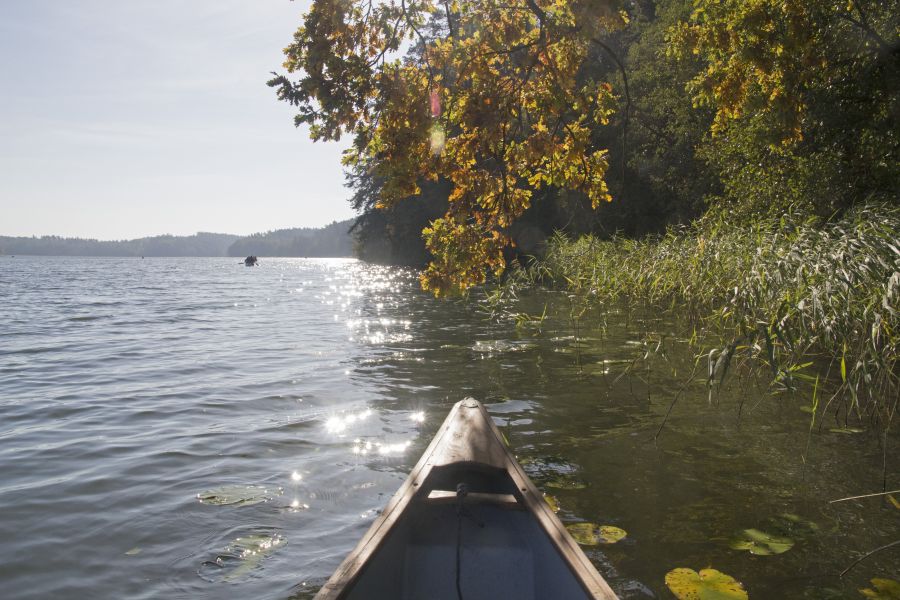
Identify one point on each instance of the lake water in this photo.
(191, 428)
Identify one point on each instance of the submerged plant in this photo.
(761, 543)
(884, 589)
(238, 495)
(242, 557)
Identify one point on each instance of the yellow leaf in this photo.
(708, 584)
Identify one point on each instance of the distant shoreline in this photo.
(167, 256)
(315, 242)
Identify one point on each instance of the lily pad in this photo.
(761, 543)
(590, 534)
(566, 482)
(792, 525)
(552, 501)
(238, 495)
(547, 465)
(885, 589)
(242, 556)
(708, 584)
(252, 549)
(554, 472)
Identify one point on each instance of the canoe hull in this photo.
(509, 542)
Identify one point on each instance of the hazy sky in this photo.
(126, 118)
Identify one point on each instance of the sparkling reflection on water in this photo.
(293, 397)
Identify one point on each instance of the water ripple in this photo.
(129, 386)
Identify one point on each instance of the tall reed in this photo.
(783, 290)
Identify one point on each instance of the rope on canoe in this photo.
(462, 490)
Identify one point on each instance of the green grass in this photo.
(785, 292)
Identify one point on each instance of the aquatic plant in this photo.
(708, 584)
(242, 557)
(787, 292)
(590, 534)
(761, 543)
(884, 589)
(238, 495)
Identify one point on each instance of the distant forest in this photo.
(333, 241)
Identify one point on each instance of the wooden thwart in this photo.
(448, 497)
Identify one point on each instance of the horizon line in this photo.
(196, 233)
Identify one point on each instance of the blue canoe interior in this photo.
(467, 523)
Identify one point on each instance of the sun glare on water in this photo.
(339, 423)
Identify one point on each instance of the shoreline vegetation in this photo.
(593, 117)
(733, 162)
(813, 302)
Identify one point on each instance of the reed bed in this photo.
(788, 292)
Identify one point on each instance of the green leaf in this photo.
(564, 482)
(505, 439)
(552, 501)
(708, 584)
(761, 543)
(885, 589)
(238, 495)
(844, 364)
(792, 525)
(239, 559)
(590, 534)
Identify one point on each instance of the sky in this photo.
(128, 118)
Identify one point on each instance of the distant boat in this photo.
(467, 523)
(250, 261)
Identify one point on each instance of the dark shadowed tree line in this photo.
(200, 244)
(331, 241)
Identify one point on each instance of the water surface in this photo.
(191, 428)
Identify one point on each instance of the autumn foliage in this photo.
(490, 96)
(480, 109)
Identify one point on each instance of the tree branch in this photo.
(621, 66)
(412, 26)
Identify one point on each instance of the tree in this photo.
(393, 235)
(492, 97)
(805, 98)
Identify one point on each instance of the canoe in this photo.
(467, 524)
